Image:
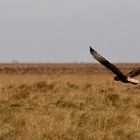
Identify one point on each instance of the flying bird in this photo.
(125, 78)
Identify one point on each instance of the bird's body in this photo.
(128, 78)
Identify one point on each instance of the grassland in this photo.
(67, 102)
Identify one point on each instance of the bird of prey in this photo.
(125, 78)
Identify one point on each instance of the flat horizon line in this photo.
(32, 63)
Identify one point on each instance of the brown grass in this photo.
(77, 102)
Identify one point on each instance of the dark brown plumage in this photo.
(134, 72)
(119, 75)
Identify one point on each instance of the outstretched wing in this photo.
(134, 72)
(107, 64)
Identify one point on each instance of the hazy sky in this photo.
(63, 30)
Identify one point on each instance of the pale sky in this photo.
(62, 30)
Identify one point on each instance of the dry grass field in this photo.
(67, 102)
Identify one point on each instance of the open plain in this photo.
(67, 102)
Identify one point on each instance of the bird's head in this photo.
(116, 78)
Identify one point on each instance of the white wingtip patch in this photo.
(131, 80)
